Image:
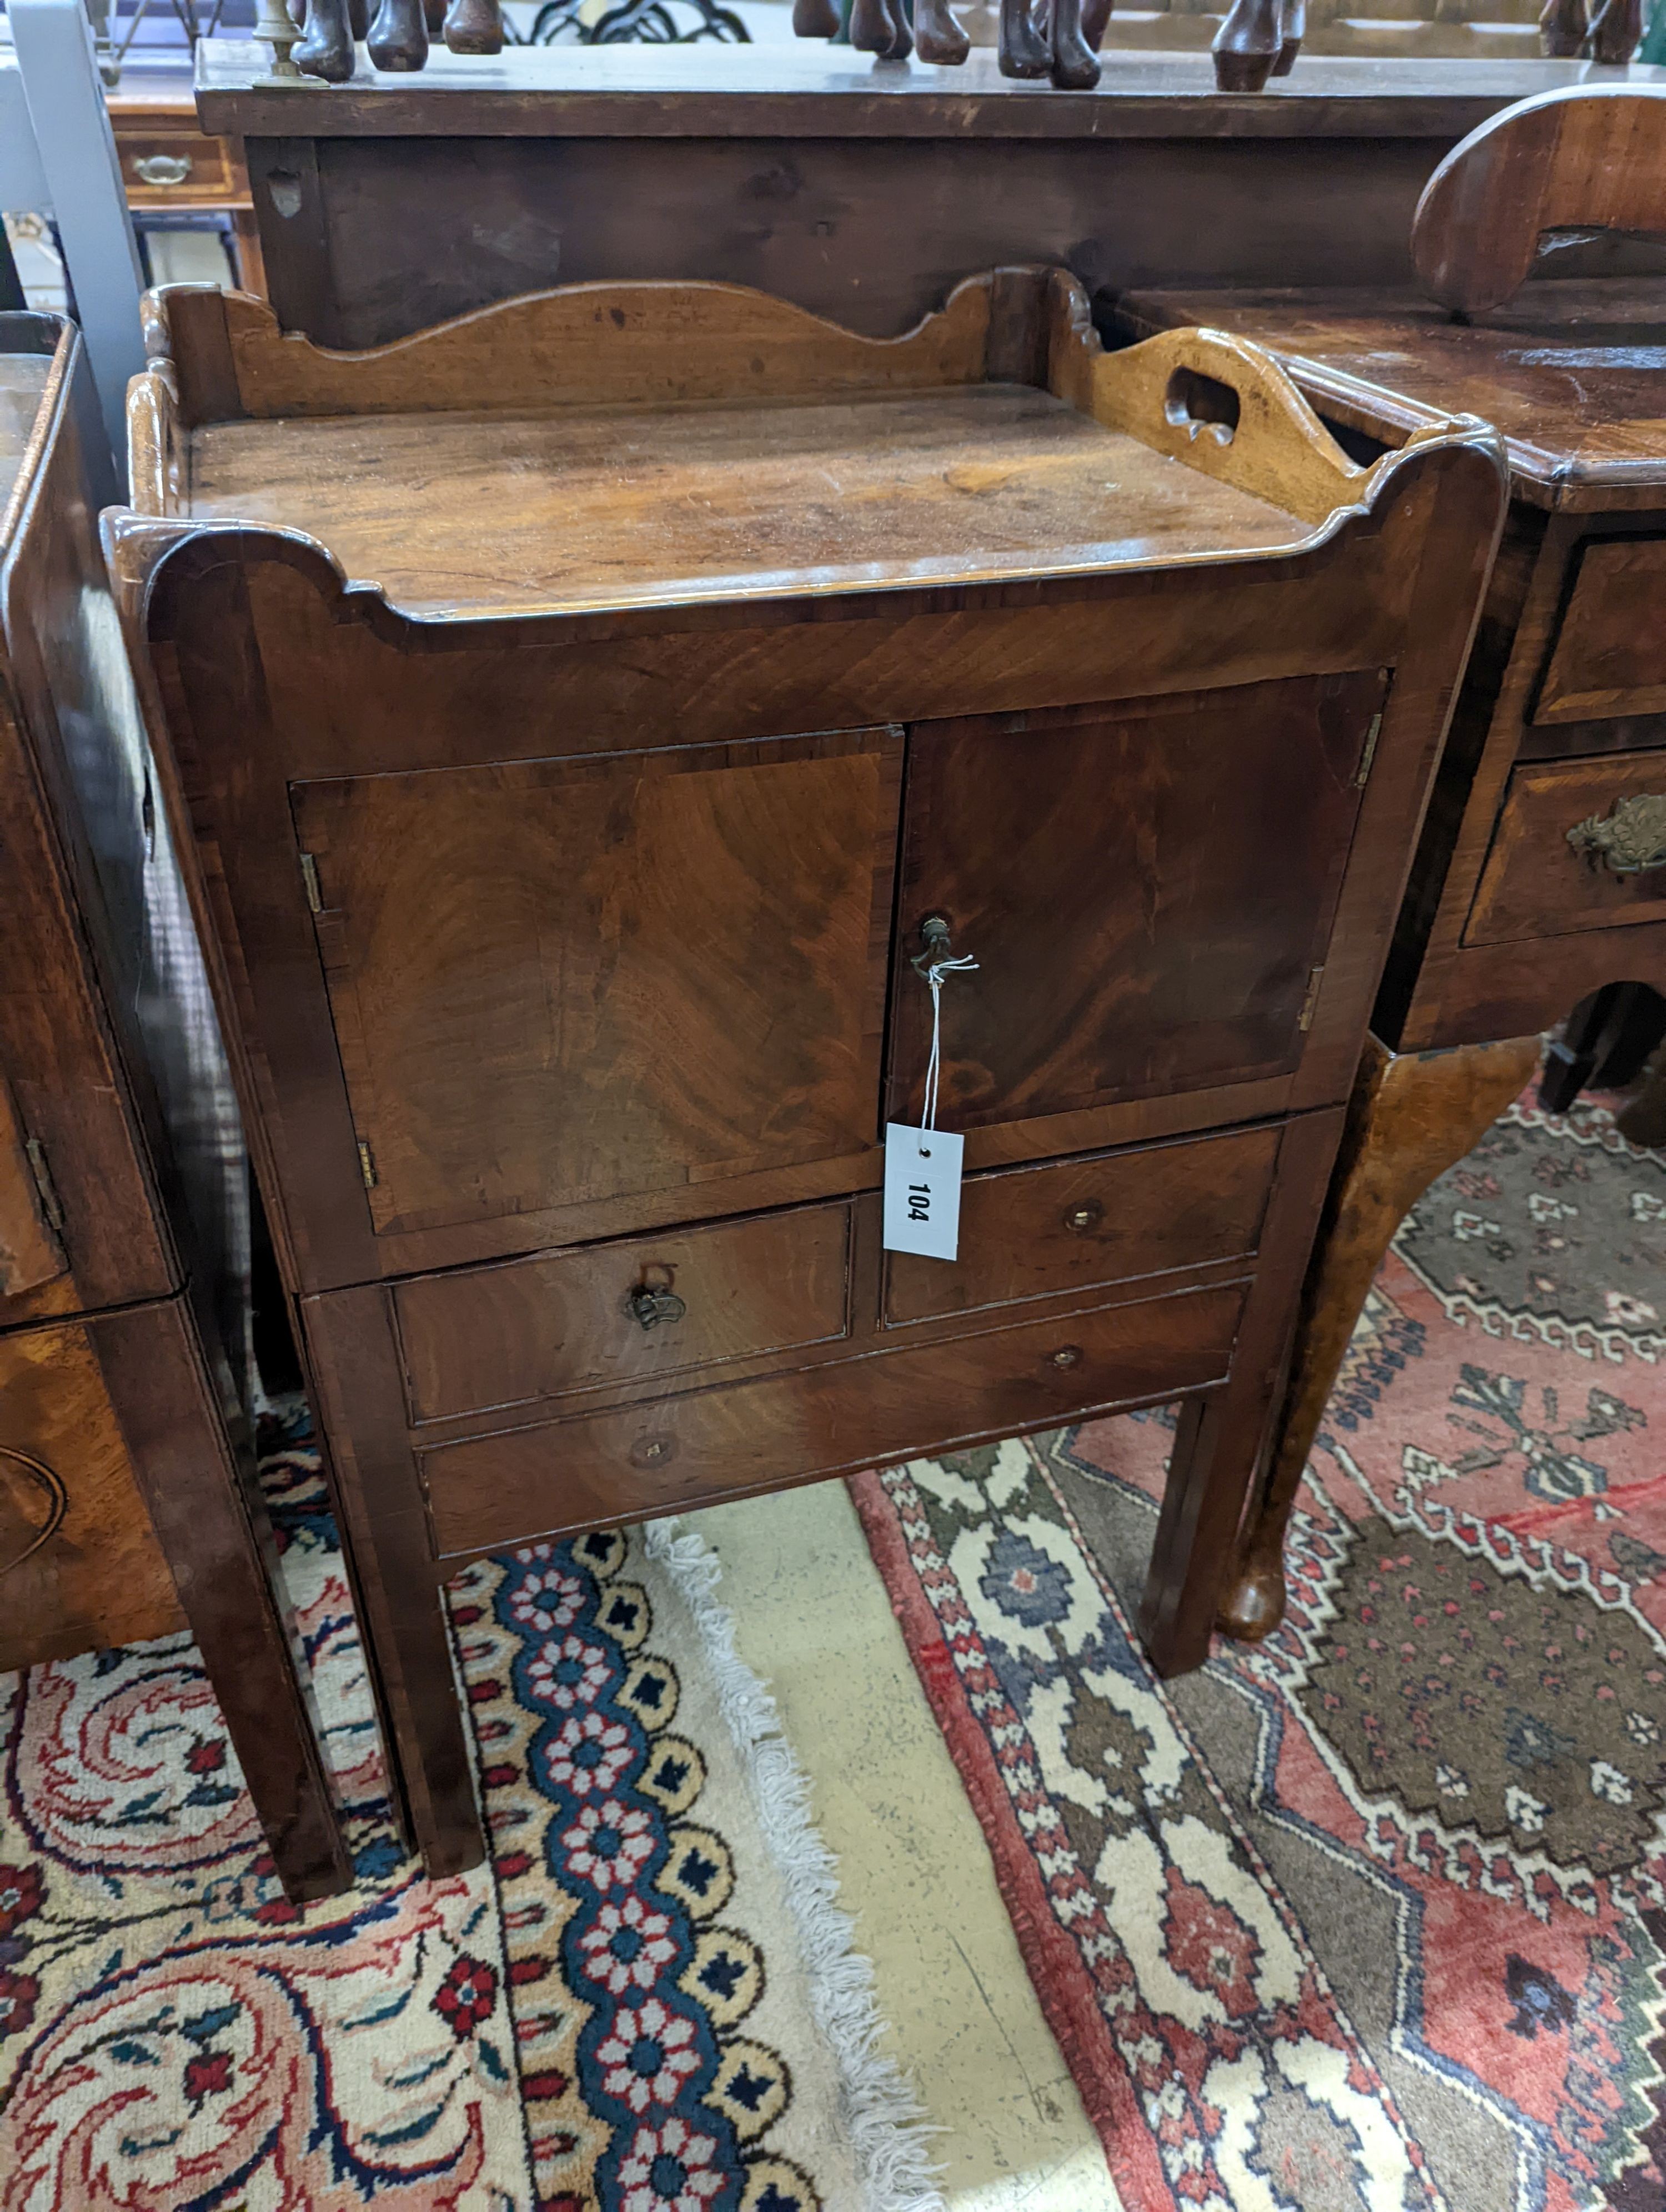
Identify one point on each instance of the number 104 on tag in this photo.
(923, 1191)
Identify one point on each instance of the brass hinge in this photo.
(309, 877)
(1374, 730)
(367, 1165)
(1305, 1019)
(51, 1204)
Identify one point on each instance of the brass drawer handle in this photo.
(1088, 1215)
(1629, 840)
(162, 169)
(650, 1306)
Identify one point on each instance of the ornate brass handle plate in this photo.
(1628, 841)
(162, 169)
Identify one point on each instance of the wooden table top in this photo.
(586, 508)
(1572, 374)
(811, 88)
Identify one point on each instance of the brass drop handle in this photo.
(1086, 1216)
(1630, 840)
(650, 1305)
(162, 169)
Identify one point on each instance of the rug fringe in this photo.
(887, 2123)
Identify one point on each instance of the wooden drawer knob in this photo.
(1086, 1216)
(1629, 840)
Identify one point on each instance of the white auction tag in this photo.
(923, 1191)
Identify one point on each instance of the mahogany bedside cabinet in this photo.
(129, 1507)
(1539, 888)
(588, 716)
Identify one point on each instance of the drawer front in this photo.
(623, 1313)
(1579, 845)
(708, 1444)
(1609, 653)
(160, 168)
(1147, 890)
(80, 1566)
(1084, 1224)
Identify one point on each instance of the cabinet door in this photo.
(556, 981)
(1146, 889)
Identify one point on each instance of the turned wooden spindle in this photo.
(938, 36)
(1616, 29)
(815, 19)
(474, 27)
(398, 39)
(326, 50)
(1562, 28)
(1095, 21)
(1246, 45)
(1025, 47)
(1292, 29)
(1073, 64)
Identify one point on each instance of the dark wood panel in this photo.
(1079, 1225)
(623, 1313)
(555, 981)
(1156, 948)
(684, 1451)
(1609, 656)
(812, 218)
(1536, 883)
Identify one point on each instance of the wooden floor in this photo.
(590, 508)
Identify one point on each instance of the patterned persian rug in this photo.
(647, 2002)
(1372, 1919)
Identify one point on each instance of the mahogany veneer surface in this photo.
(608, 505)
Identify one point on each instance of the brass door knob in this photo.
(1088, 1215)
(650, 1306)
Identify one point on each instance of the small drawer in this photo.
(1609, 653)
(624, 1312)
(1580, 845)
(883, 1407)
(160, 167)
(1086, 1223)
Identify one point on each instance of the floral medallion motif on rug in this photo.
(617, 2015)
(1373, 1917)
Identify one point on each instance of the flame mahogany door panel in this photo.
(560, 980)
(1147, 890)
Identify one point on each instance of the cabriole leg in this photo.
(1413, 1115)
